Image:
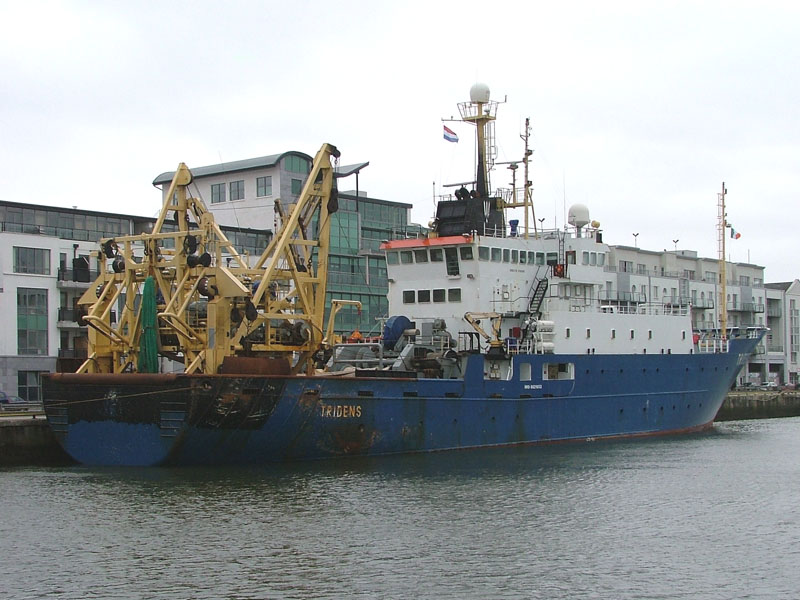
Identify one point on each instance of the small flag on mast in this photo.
(449, 134)
(734, 234)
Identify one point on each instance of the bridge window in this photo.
(465, 252)
(391, 258)
(525, 372)
(483, 253)
(408, 296)
(454, 295)
(437, 255)
(496, 254)
(506, 255)
(423, 295)
(438, 295)
(406, 257)
(522, 258)
(421, 256)
(451, 258)
(514, 256)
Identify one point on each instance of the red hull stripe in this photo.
(425, 242)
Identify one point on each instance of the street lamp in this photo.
(635, 240)
(675, 242)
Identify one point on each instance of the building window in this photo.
(32, 260)
(438, 295)
(31, 321)
(264, 186)
(29, 386)
(237, 190)
(423, 295)
(296, 164)
(297, 186)
(217, 193)
(408, 296)
(454, 295)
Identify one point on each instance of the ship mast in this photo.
(481, 111)
(722, 227)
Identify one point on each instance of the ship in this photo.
(498, 334)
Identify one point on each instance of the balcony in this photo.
(703, 303)
(675, 300)
(778, 348)
(622, 297)
(774, 311)
(73, 316)
(745, 307)
(76, 278)
(68, 314)
(74, 353)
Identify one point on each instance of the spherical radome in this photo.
(479, 93)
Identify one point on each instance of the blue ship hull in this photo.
(243, 419)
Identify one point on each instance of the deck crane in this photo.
(212, 314)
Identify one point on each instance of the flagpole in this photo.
(723, 225)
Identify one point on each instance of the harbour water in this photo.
(712, 515)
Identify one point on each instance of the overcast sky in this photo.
(639, 110)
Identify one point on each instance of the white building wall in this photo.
(253, 211)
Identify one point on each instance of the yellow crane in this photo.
(212, 312)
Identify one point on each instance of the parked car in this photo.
(6, 399)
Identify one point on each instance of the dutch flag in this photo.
(449, 134)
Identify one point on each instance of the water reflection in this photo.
(671, 517)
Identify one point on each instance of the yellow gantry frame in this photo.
(283, 292)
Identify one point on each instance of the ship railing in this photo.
(342, 357)
(517, 346)
(713, 345)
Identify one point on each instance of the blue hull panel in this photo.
(223, 419)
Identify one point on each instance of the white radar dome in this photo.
(578, 215)
(479, 93)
